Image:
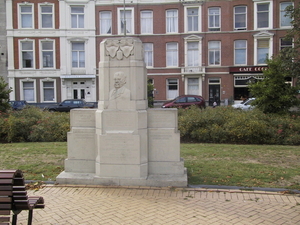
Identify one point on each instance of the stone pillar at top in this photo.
(122, 73)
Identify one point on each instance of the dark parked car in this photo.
(69, 104)
(18, 105)
(185, 101)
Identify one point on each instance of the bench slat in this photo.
(6, 188)
(4, 219)
(5, 212)
(5, 199)
(7, 175)
(6, 181)
(5, 206)
(6, 193)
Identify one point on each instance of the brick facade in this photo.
(215, 82)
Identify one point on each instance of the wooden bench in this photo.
(13, 197)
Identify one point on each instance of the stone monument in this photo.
(123, 142)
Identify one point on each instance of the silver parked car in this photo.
(246, 105)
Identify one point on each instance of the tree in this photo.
(4, 95)
(274, 94)
(150, 89)
(291, 56)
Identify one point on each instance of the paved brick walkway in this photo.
(146, 205)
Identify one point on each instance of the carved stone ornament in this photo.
(119, 48)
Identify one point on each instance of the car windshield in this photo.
(248, 102)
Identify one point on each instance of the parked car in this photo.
(246, 105)
(69, 104)
(18, 105)
(184, 101)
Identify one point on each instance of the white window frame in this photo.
(78, 55)
(42, 89)
(215, 19)
(270, 15)
(148, 54)
(259, 36)
(22, 89)
(78, 22)
(282, 13)
(121, 18)
(42, 50)
(21, 55)
(108, 22)
(41, 15)
(237, 14)
(192, 55)
(214, 50)
(172, 21)
(188, 85)
(193, 38)
(174, 93)
(20, 15)
(186, 19)
(145, 28)
(282, 46)
(240, 48)
(173, 53)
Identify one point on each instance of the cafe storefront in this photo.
(242, 77)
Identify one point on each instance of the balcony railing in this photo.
(193, 69)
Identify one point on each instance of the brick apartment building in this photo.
(3, 58)
(208, 48)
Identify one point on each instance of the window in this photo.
(285, 43)
(48, 91)
(172, 21)
(193, 86)
(263, 15)
(263, 47)
(148, 51)
(146, 22)
(27, 54)
(193, 53)
(240, 18)
(46, 19)
(285, 21)
(105, 22)
(192, 19)
(28, 91)
(126, 21)
(47, 54)
(26, 16)
(214, 53)
(77, 16)
(78, 55)
(172, 54)
(214, 19)
(240, 52)
(172, 88)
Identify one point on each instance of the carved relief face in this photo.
(119, 79)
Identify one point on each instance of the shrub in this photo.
(33, 124)
(51, 128)
(229, 125)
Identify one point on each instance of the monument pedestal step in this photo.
(151, 180)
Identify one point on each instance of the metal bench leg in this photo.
(14, 220)
(30, 217)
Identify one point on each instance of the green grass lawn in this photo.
(210, 164)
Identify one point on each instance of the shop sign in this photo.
(247, 69)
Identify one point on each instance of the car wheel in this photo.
(51, 110)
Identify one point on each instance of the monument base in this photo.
(151, 180)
